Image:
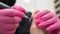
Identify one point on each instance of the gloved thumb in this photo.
(19, 8)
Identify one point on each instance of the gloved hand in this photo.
(48, 20)
(9, 20)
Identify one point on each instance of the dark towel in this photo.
(24, 27)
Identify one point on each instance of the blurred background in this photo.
(31, 5)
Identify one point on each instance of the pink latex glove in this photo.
(9, 20)
(19, 8)
(48, 20)
(55, 28)
(58, 32)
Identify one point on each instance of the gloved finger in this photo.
(53, 27)
(11, 13)
(44, 18)
(44, 12)
(37, 21)
(47, 23)
(8, 32)
(19, 8)
(10, 20)
(8, 27)
(47, 16)
(17, 19)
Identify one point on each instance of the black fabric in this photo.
(24, 27)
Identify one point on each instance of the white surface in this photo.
(31, 5)
(28, 6)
